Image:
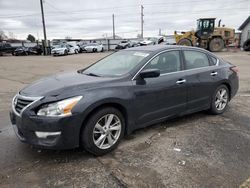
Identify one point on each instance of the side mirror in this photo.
(150, 73)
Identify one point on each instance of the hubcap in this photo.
(107, 131)
(221, 99)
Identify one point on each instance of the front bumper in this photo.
(57, 53)
(45, 132)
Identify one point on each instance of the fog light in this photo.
(46, 134)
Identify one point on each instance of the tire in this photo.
(65, 52)
(102, 50)
(214, 109)
(94, 50)
(89, 139)
(185, 42)
(216, 45)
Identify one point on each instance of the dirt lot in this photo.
(197, 150)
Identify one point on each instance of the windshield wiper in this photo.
(92, 74)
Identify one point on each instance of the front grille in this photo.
(21, 104)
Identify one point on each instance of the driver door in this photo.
(163, 96)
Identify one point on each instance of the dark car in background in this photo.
(127, 90)
(6, 48)
(20, 51)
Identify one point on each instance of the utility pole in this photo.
(142, 21)
(113, 20)
(44, 29)
(160, 32)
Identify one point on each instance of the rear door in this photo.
(163, 96)
(201, 79)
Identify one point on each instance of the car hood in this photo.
(146, 42)
(63, 83)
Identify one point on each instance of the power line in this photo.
(108, 8)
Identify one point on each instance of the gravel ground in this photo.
(197, 150)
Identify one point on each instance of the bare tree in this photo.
(2, 36)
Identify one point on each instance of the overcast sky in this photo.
(93, 18)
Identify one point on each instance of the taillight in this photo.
(235, 69)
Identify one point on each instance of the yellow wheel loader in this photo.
(206, 36)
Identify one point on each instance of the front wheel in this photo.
(216, 45)
(103, 131)
(185, 42)
(220, 100)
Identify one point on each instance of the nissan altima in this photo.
(127, 90)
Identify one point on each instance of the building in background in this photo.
(245, 31)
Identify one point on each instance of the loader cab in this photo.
(205, 27)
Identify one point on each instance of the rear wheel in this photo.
(185, 42)
(220, 100)
(65, 52)
(103, 131)
(216, 45)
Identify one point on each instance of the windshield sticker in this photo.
(141, 54)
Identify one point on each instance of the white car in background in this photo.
(59, 49)
(152, 41)
(75, 46)
(62, 49)
(94, 47)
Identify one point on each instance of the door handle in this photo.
(181, 81)
(213, 73)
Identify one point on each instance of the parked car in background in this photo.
(82, 45)
(36, 50)
(123, 45)
(63, 49)
(6, 48)
(94, 47)
(60, 49)
(75, 46)
(134, 43)
(152, 41)
(96, 106)
(21, 51)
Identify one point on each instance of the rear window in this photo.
(195, 59)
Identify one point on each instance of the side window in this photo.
(195, 59)
(166, 62)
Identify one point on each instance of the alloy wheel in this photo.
(107, 131)
(221, 99)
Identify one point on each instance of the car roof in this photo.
(160, 47)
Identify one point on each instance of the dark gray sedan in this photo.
(130, 89)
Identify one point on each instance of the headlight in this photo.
(60, 108)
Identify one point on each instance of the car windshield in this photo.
(59, 46)
(117, 64)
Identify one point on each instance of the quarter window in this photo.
(195, 59)
(213, 60)
(166, 62)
